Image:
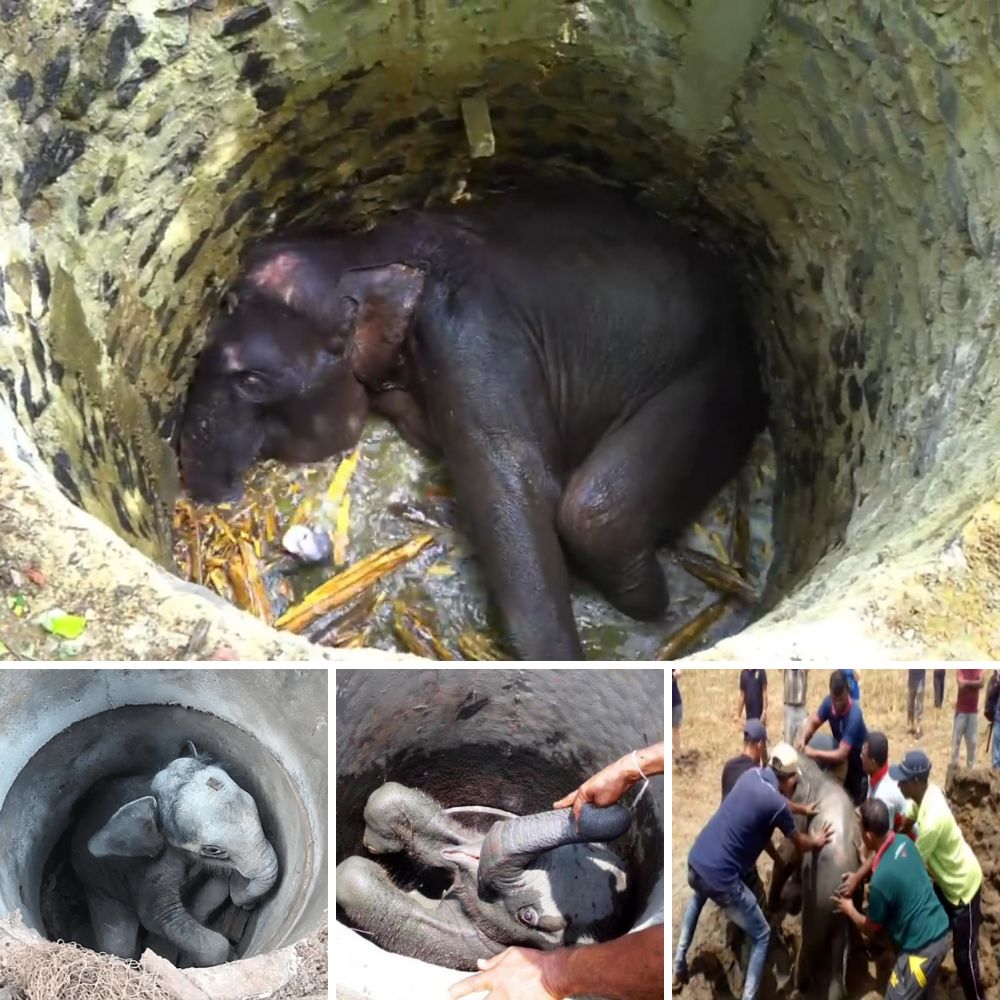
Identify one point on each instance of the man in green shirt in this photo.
(957, 875)
(902, 901)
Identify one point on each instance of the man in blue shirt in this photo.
(849, 733)
(727, 848)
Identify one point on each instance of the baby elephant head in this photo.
(287, 364)
(196, 808)
(542, 883)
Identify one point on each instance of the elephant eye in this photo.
(528, 916)
(209, 851)
(253, 385)
(251, 380)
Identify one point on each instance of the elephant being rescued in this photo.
(166, 850)
(532, 880)
(821, 966)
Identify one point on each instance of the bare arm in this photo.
(863, 924)
(612, 782)
(851, 882)
(812, 724)
(741, 706)
(628, 968)
(804, 842)
(830, 756)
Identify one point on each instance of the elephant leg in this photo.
(501, 447)
(838, 960)
(397, 922)
(787, 863)
(116, 926)
(644, 482)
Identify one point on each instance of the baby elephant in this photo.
(166, 850)
(533, 880)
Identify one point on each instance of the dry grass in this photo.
(712, 735)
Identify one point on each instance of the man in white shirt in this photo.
(881, 786)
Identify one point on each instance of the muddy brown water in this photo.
(395, 493)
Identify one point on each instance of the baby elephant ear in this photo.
(386, 297)
(132, 832)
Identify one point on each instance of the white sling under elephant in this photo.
(531, 880)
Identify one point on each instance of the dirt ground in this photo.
(710, 735)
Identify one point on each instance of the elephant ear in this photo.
(132, 832)
(386, 298)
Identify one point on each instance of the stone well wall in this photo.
(849, 149)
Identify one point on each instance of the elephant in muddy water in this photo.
(586, 370)
(533, 880)
(821, 965)
(164, 851)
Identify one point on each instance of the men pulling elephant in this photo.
(958, 877)
(847, 724)
(902, 901)
(728, 847)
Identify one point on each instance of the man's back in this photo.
(901, 897)
(733, 838)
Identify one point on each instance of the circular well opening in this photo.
(39, 810)
(831, 141)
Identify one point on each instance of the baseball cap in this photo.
(784, 760)
(754, 731)
(916, 764)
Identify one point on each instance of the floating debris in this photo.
(417, 634)
(474, 646)
(342, 626)
(434, 514)
(688, 634)
(352, 581)
(716, 574)
(309, 545)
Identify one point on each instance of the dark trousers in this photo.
(915, 980)
(965, 922)
(938, 688)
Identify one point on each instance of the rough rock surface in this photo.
(850, 148)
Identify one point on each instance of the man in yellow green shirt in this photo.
(958, 878)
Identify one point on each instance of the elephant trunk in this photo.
(513, 844)
(254, 875)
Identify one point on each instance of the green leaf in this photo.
(18, 603)
(63, 625)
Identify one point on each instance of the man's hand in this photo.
(821, 839)
(844, 904)
(809, 809)
(849, 885)
(515, 974)
(800, 744)
(809, 751)
(609, 784)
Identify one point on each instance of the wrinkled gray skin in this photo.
(586, 371)
(147, 845)
(822, 960)
(531, 881)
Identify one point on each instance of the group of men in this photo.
(925, 881)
